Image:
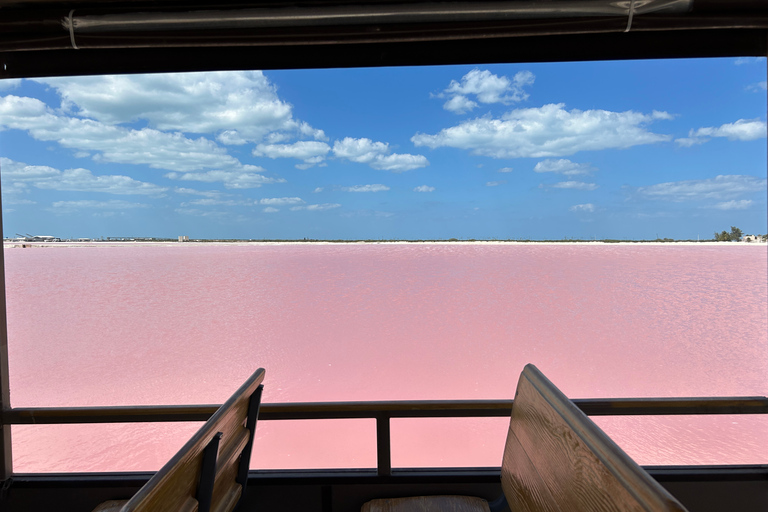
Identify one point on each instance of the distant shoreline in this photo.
(157, 243)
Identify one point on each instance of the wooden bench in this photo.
(555, 459)
(210, 471)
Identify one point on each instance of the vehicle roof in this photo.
(66, 37)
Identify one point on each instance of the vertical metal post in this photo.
(254, 404)
(6, 458)
(383, 446)
(204, 493)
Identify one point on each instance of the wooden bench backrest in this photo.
(557, 459)
(175, 486)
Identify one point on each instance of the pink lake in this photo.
(187, 323)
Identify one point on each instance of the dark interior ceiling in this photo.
(66, 37)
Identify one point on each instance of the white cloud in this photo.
(758, 87)
(280, 200)
(486, 88)
(506, 169)
(242, 105)
(316, 207)
(306, 130)
(82, 180)
(586, 207)
(399, 162)
(230, 179)
(748, 60)
(359, 150)
(9, 83)
(312, 152)
(196, 212)
(743, 129)
(424, 188)
(77, 180)
(366, 188)
(231, 138)
(546, 131)
(15, 187)
(204, 193)
(562, 166)
(376, 154)
(575, 185)
(367, 213)
(494, 183)
(214, 202)
(18, 171)
(270, 209)
(660, 114)
(723, 187)
(72, 206)
(690, 141)
(159, 150)
(742, 204)
(7, 201)
(459, 104)
(317, 190)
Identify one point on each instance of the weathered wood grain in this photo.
(174, 487)
(520, 480)
(428, 504)
(572, 461)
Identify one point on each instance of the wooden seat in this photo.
(209, 473)
(557, 459)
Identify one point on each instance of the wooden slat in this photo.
(227, 498)
(189, 505)
(231, 451)
(520, 480)
(176, 483)
(580, 466)
(224, 485)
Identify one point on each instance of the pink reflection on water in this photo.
(188, 323)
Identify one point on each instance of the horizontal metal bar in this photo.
(673, 406)
(391, 409)
(120, 414)
(409, 476)
(361, 14)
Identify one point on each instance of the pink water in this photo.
(117, 325)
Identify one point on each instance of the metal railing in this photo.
(383, 412)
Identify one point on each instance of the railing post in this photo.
(383, 445)
(6, 459)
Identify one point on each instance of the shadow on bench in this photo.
(210, 471)
(555, 459)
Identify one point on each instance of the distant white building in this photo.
(753, 238)
(183, 238)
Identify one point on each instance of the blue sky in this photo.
(634, 150)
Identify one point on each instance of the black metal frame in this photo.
(254, 406)
(558, 48)
(383, 412)
(31, 45)
(208, 474)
